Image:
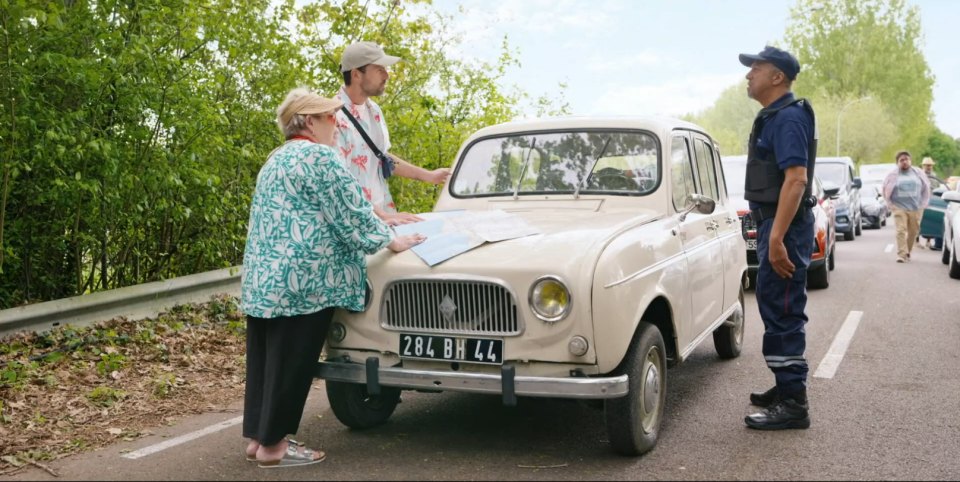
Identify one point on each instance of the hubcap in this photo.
(651, 389)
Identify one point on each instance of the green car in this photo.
(931, 225)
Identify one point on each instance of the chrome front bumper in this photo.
(507, 383)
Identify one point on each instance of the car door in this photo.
(698, 235)
(729, 234)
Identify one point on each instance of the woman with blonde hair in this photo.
(310, 229)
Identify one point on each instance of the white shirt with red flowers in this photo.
(357, 155)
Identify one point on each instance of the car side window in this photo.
(706, 173)
(681, 173)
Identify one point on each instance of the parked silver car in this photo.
(951, 231)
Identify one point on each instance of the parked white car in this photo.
(951, 231)
(637, 260)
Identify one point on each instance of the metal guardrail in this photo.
(133, 302)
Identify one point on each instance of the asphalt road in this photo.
(889, 412)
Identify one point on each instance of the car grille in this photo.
(463, 307)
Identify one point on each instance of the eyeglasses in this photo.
(328, 116)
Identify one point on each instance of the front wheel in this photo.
(819, 278)
(633, 421)
(955, 265)
(355, 408)
(728, 337)
(945, 257)
(859, 228)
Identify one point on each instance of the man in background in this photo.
(907, 191)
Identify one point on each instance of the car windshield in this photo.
(870, 191)
(736, 174)
(832, 173)
(614, 162)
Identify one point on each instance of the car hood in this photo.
(566, 240)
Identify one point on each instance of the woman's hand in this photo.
(403, 243)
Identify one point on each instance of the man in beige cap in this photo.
(927, 165)
(364, 68)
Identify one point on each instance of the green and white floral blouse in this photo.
(310, 227)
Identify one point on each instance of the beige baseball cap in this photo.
(927, 162)
(364, 53)
(306, 104)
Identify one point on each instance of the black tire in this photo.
(831, 260)
(858, 230)
(848, 236)
(633, 421)
(728, 338)
(819, 278)
(945, 257)
(354, 408)
(954, 266)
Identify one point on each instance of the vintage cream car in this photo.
(637, 260)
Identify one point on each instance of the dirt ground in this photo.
(72, 390)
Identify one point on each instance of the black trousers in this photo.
(282, 355)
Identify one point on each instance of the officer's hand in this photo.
(779, 261)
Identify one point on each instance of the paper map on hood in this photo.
(451, 233)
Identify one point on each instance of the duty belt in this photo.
(768, 211)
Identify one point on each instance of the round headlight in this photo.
(550, 299)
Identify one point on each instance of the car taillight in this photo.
(751, 234)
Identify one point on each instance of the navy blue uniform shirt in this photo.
(788, 134)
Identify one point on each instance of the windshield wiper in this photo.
(523, 170)
(576, 192)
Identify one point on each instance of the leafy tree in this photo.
(852, 49)
(945, 151)
(730, 119)
(132, 132)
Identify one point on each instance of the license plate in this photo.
(751, 244)
(449, 348)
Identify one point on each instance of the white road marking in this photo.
(831, 361)
(136, 454)
(889, 249)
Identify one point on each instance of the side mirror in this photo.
(857, 183)
(703, 205)
(832, 192)
(951, 196)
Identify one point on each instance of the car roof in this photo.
(733, 159)
(651, 123)
(835, 160)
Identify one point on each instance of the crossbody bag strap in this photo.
(363, 133)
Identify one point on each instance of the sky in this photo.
(670, 57)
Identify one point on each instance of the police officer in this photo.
(780, 162)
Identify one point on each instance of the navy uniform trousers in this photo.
(782, 303)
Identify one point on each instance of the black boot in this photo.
(783, 414)
(764, 399)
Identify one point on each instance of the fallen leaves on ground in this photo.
(72, 390)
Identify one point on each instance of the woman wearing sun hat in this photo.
(310, 227)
